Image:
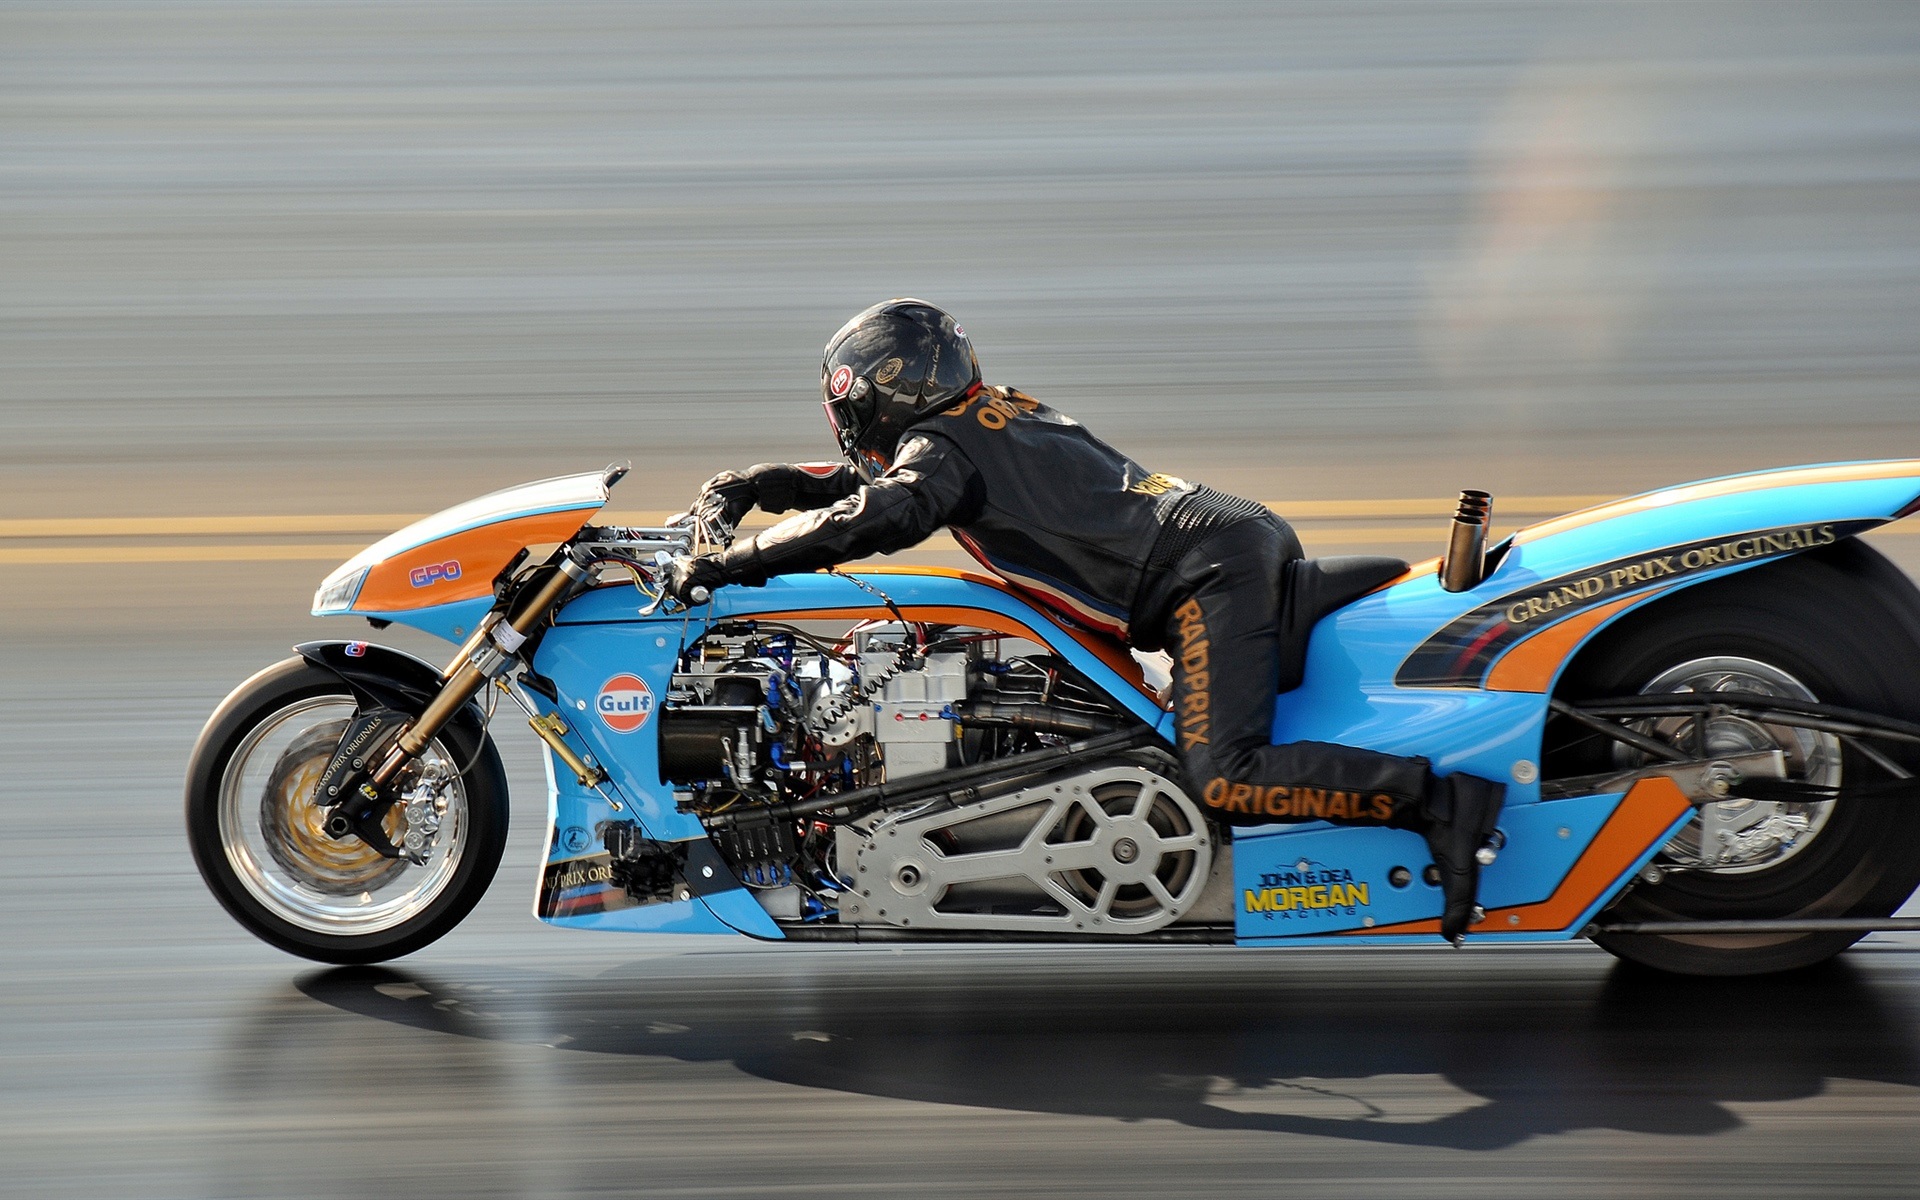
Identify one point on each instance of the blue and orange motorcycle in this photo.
(1705, 701)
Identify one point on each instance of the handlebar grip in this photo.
(699, 596)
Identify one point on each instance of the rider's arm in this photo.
(931, 484)
(775, 488)
(787, 486)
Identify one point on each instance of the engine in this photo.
(761, 712)
(765, 718)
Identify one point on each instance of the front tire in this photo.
(1839, 626)
(258, 838)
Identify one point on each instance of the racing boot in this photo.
(1459, 816)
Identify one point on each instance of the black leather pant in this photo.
(1223, 633)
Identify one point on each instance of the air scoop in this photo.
(1465, 564)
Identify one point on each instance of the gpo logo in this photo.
(624, 704)
(435, 572)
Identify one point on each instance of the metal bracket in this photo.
(1703, 781)
(553, 732)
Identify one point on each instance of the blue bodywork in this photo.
(1371, 681)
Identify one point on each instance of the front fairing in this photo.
(449, 560)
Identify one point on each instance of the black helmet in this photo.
(893, 365)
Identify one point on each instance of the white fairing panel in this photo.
(564, 493)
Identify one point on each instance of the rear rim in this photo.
(274, 837)
(1740, 836)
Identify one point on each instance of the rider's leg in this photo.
(1224, 637)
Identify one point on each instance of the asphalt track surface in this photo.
(323, 264)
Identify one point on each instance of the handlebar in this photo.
(649, 550)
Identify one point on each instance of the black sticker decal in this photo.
(1461, 654)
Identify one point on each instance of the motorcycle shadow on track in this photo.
(1416, 1051)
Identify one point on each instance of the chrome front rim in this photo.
(276, 842)
(1737, 836)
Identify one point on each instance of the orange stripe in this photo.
(480, 552)
(1049, 596)
(1646, 812)
(1418, 570)
(1531, 664)
(942, 572)
(1836, 473)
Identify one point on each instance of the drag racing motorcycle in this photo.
(1705, 702)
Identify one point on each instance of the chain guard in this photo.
(1117, 850)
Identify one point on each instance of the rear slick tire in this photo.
(258, 841)
(1842, 623)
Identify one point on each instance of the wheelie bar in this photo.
(1764, 925)
(478, 661)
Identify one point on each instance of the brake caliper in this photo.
(358, 807)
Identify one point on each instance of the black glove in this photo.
(1460, 812)
(771, 487)
(691, 580)
(728, 496)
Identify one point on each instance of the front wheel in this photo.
(261, 844)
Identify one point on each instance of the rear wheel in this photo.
(1840, 626)
(259, 837)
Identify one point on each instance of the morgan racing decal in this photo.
(624, 703)
(1461, 654)
(1311, 890)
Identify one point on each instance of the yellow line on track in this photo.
(109, 554)
(382, 523)
(79, 549)
(79, 527)
(112, 555)
(1368, 535)
(1439, 510)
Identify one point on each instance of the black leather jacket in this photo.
(1056, 512)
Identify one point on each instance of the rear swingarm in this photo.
(1758, 776)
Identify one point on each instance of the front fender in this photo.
(382, 677)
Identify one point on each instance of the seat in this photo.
(1313, 587)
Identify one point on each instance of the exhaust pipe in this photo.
(1466, 562)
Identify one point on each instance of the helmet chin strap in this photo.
(869, 465)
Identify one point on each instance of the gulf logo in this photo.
(624, 704)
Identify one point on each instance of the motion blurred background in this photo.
(336, 259)
(338, 264)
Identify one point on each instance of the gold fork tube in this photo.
(466, 679)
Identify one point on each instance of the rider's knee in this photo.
(1235, 762)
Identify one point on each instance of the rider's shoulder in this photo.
(991, 409)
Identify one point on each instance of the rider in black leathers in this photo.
(1096, 538)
